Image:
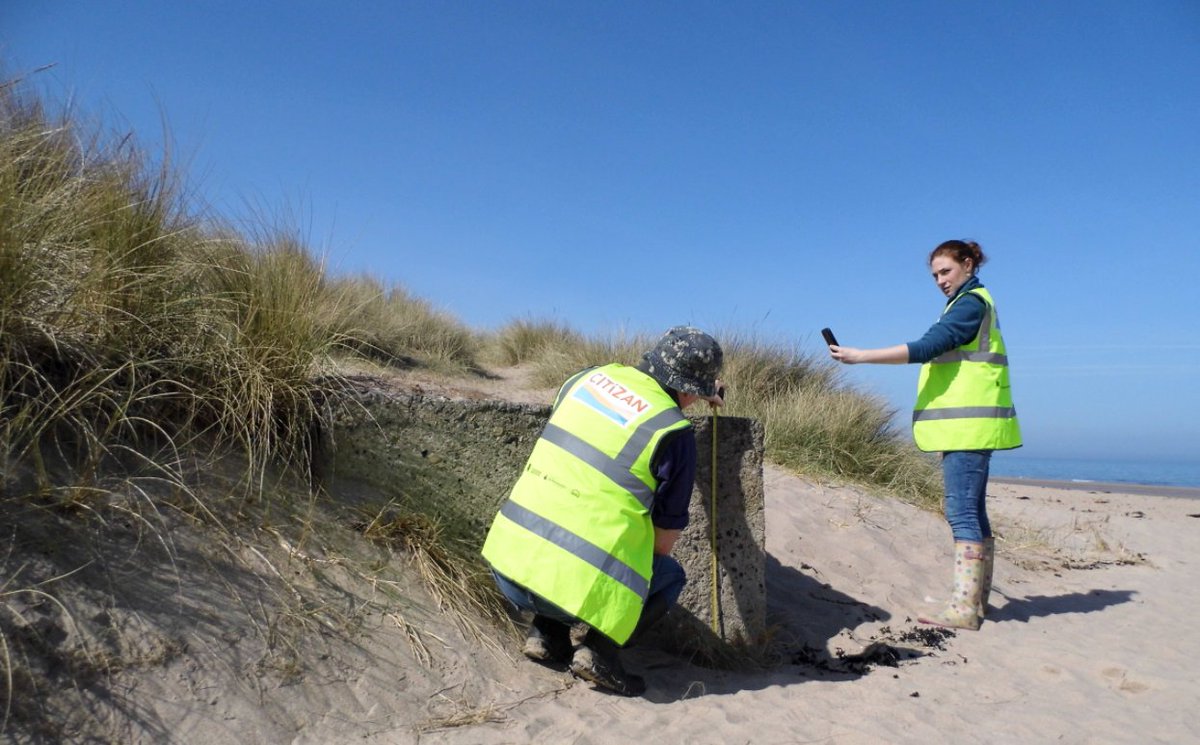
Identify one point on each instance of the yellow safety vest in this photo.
(576, 528)
(964, 400)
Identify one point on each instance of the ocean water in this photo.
(1155, 473)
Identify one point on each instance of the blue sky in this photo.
(761, 167)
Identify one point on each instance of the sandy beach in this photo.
(1087, 643)
(1089, 640)
(1084, 644)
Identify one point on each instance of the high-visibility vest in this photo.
(576, 528)
(964, 400)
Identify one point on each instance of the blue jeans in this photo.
(965, 473)
(667, 579)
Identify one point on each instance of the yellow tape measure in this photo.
(712, 519)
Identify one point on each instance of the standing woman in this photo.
(964, 410)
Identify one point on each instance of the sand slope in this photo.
(1090, 640)
(1081, 655)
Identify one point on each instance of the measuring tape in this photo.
(712, 519)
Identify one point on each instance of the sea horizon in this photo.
(1097, 470)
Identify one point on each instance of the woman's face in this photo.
(949, 274)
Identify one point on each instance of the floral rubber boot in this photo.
(989, 564)
(963, 609)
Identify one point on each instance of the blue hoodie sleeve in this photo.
(956, 327)
(674, 465)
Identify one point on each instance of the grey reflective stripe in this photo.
(636, 444)
(965, 412)
(985, 343)
(985, 328)
(614, 468)
(576, 546)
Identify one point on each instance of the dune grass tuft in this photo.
(556, 351)
(365, 318)
(138, 339)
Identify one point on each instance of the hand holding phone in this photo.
(830, 339)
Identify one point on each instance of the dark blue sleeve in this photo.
(956, 327)
(674, 465)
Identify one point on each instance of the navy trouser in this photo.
(666, 581)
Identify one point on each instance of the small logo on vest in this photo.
(610, 398)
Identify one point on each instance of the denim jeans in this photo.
(965, 473)
(667, 579)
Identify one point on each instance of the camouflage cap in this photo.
(686, 359)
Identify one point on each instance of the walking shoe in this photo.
(597, 659)
(548, 641)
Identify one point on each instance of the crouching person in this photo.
(584, 540)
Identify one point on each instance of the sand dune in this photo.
(1089, 641)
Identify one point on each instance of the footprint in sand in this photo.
(1129, 686)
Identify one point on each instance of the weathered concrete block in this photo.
(457, 459)
(737, 611)
(450, 458)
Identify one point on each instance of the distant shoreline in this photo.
(1107, 487)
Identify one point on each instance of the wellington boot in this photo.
(598, 659)
(548, 641)
(989, 563)
(963, 609)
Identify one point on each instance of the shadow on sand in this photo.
(1036, 606)
(804, 615)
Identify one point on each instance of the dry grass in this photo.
(455, 580)
(1081, 545)
(522, 341)
(390, 325)
(464, 714)
(140, 343)
(556, 351)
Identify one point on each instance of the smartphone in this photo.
(829, 337)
